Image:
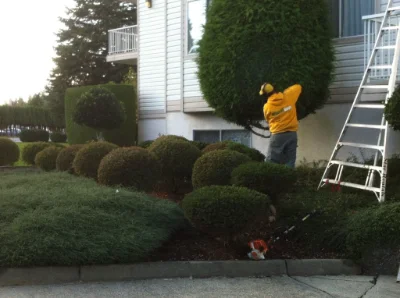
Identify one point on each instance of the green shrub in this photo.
(215, 168)
(9, 152)
(87, 160)
(392, 110)
(177, 157)
(58, 137)
(254, 154)
(126, 135)
(29, 151)
(254, 41)
(99, 109)
(33, 135)
(66, 158)
(56, 219)
(224, 210)
(46, 159)
(199, 145)
(145, 144)
(373, 228)
(269, 178)
(130, 167)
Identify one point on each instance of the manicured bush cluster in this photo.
(177, 157)
(46, 159)
(254, 154)
(125, 135)
(225, 210)
(269, 178)
(145, 144)
(29, 151)
(392, 110)
(34, 135)
(130, 167)
(87, 160)
(200, 145)
(58, 137)
(215, 168)
(66, 158)
(9, 152)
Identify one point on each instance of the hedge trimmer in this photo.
(259, 247)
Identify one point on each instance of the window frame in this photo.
(220, 133)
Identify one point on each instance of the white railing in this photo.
(372, 24)
(123, 40)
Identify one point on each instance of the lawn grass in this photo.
(20, 162)
(56, 219)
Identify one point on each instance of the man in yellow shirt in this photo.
(281, 115)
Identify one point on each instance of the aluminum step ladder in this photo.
(388, 28)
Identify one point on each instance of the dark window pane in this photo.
(206, 136)
(333, 6)
(238, 136)
(352, 13)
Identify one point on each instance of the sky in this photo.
(27, 41)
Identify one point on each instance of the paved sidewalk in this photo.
(274, 287)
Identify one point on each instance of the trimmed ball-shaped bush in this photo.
(373, 228)
(176, 155)
(224, 210)
(215, 168)
(249, 42)
(130, 167)
(100, 109)
(66, 158)
(200, 145)
(265, 177)
(46, 159)
(392, 110)
(29, 151)
(58, 137)
(34, 135)
(9, 152)
(87, 160)
(254, 154)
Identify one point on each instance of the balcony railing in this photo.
(123, 40)
(372, 24)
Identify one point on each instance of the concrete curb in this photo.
(54, 275)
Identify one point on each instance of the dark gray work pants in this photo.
(282, 148)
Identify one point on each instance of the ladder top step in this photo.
(385, 47)
(391, 28)
(381, 67)
(369, 106)
(375, 87)
(355, 165)
(394, 8)
(354, 185)
(359, 145)
(359, 125)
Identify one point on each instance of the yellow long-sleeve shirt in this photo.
(280, 110)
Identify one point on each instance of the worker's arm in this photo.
(293, 93)
(266, 111)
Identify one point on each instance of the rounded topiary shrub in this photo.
(87, 160)
(200, 145)
(66, 158)
(145, 144)
(373, 228)
(249, 42)
(130, 167)
(34, 135)
(58, 137)
(29, 151)
(215, 168)
(46, 159)
(176, 155)
(254, 154)
(225, 210)
(269, 178)
(392, 110)
(9, 152)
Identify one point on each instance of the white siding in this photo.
(384, 4)
(152, 59)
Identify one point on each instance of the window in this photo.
(213, 136)
(346, 16)
(196, 19)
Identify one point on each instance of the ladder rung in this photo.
(354, 185)
(355, 165)
(385, 48)
(366, 126)
(391, 28)
(394, 8)
(381, 67)
(369, 106)
(375, 87)
(359, 145)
